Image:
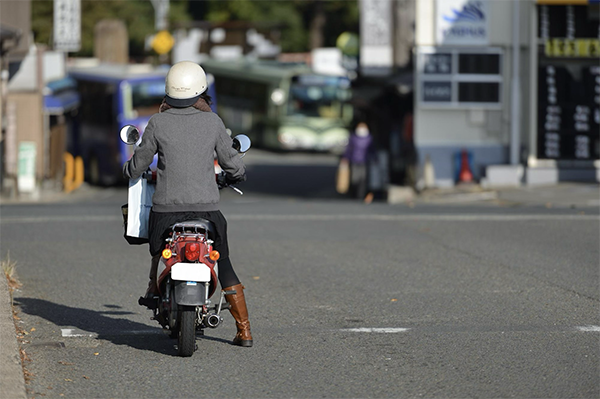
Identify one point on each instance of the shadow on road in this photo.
(115, 330)
(302, 181)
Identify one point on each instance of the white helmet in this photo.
(185, 82)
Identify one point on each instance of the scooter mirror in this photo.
(129, 134)
(241, 143)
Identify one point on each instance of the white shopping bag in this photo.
(139, 199)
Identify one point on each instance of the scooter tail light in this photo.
(192, 251)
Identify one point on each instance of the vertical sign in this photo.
(550, 110)
(26, 170)
(67, 25)
(568, 82)
(462, 22)
(376, 52)
(10, 139)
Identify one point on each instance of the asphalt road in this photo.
(345, 300)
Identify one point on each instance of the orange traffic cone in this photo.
(465, 175)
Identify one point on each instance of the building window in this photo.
(479, 64)
(478, 92)
(460, 77)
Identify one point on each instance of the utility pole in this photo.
(515, 123)
(163, 41)
(161, 13)
(376, 38)
(404, 33)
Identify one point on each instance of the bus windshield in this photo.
(318, 96)
(146, 97)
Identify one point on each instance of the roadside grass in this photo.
(9, 268)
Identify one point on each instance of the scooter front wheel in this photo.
(186, 342)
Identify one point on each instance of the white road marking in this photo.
(77, 333)
(384, 330)
(419, 218)
(393, 330)
(74, 333)
(328, 218)
(46, 219)
(589, 328)
(70, 332)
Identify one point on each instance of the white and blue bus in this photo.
(283, 106)
(113, 96)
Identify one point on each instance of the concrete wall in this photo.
(16, 16)
(29, 124)
(404, 36)
(425, 26)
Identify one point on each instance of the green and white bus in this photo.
(283, 106)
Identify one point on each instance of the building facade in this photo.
(35, 107)
(512, 84)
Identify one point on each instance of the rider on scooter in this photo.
(186, 134)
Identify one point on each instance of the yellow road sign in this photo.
(163, 42)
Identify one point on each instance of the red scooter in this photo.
(187, 274)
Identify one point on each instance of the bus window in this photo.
(318, 96)
(112, 96)
(146, 97)
(266, 101)
(97, 104)
(243, 103)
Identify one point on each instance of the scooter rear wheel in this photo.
(186, 342)
(173, 318)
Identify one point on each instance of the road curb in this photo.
(48, 196)
(12, 380)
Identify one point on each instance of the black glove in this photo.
(224, 180)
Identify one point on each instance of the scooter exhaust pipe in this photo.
(213, 321)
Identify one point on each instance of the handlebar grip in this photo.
(150, 176)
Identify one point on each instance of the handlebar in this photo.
(221, 178)
(222, 183)
(149, 175)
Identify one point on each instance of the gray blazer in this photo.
(185, 140)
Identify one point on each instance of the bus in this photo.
(283, 106)
(113, 96)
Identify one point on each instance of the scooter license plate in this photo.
(190, 272)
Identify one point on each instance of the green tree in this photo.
(138, 16)
(325, 20)
(305, 23)
(266, 13)
(342, 16)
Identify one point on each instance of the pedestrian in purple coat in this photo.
(358, 154)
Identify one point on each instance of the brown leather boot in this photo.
(152, 290)
(239, 312)
(152, 287)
